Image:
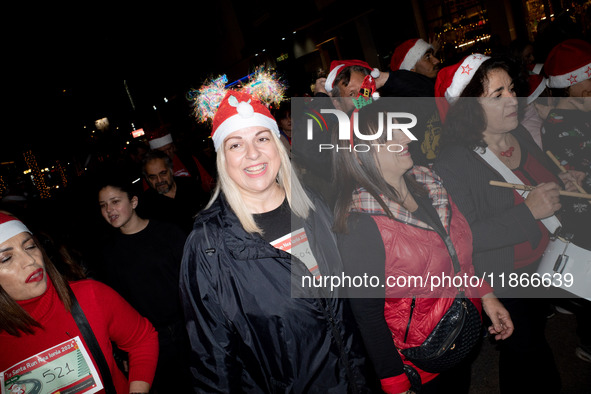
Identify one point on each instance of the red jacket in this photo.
(416, 253)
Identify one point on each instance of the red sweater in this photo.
(111, 319)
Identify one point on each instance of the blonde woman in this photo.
(247, 331)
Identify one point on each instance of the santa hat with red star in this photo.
(239, 110)
(10, 226)
(339, 65)
(407, 54)
(568, 63)
(452, 80)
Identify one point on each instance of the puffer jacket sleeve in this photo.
(214, 365)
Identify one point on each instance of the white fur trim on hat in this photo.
(237, 122)
(11, 228)
(537, 68)
(415, 54)
(331, 77)
(160, 142)
(536, 93)
(571, 78)
(463, 76)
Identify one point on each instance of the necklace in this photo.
(508, 152)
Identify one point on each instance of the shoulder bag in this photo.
(458, 331)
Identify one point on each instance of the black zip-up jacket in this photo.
(248, 331)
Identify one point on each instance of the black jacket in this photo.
(497, 223)
(248, 331)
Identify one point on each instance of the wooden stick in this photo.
(562, 169)
(530, 188)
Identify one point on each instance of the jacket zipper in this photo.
(412, 308)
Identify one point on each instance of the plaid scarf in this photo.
(364, 202)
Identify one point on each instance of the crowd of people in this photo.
(197, 282)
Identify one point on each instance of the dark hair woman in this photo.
(38, 327)
(482, 142)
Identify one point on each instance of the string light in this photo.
(37, 175)
(62, 173)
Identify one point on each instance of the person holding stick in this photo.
(481, 142)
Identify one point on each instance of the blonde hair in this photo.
(297, 198)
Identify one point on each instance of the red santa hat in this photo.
(239, 110)
(452, 80)
(159, 138)
(537, 84)
(339, 65)
(568, 63)
(10, 226)
(535, 68)
(407, 54)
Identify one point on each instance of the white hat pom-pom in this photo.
(375, 73)
(245, 110)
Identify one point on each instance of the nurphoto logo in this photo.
(387, 122)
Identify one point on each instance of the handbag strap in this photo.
(435, 221)
(92, 344)
(552, 223)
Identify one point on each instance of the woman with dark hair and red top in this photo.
(43, 347)
(481, 142)
(389, 216)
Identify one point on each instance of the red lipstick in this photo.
(36, 276)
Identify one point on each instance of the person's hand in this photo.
(319, 86)
(571, 179)
(502, 325)
(435, 43)
(544, 200)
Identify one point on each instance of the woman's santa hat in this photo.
(10, 226)
(237, 111)
(568, 63)
(452, 80)
(339, 65)
(407, 54)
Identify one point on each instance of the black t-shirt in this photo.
(144, 268)
(278, 222)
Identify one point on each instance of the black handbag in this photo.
(458, 331)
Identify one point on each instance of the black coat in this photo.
(497, 224)
(248, 332)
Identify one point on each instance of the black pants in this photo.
(172, 373)
(526, 363)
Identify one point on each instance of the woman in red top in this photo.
(42, 346)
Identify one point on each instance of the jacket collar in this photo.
(239, 244)
(363, 201)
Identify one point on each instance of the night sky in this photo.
(68, 70)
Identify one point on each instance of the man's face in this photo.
(349, 92)
(159, 176)
(428, 65)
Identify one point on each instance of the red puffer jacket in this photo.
(413, 252)
(416, 260)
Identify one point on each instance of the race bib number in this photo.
(63, 369)
(297, 245)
